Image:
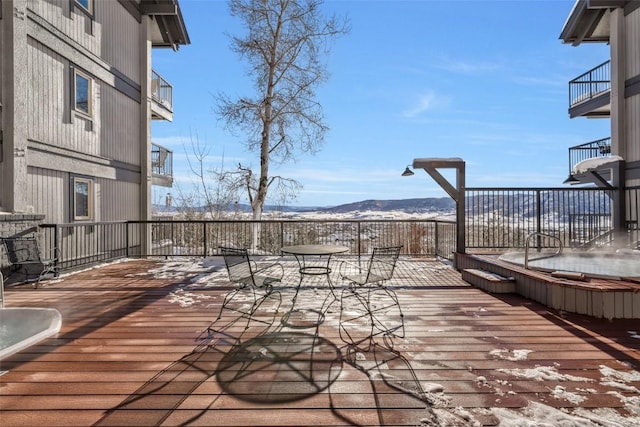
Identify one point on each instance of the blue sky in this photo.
(486, 81)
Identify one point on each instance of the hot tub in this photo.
(22, 327)
(607, 265)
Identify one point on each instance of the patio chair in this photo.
(367, 302)
(24, 256)
(253, 277)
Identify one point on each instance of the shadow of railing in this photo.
(264, 361)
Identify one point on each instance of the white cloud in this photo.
(466, 67)
(426, 102)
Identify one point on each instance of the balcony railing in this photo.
(496, 219)
(590, 84)
(161, 91)
(161, 161)
(590, 150)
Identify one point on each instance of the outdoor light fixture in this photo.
(571, 180)
(407, 171)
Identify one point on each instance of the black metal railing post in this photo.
(126, 239)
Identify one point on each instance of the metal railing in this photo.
(589, 150)
(161, 161)
(502, 218)
(590, 84)
(161, 91)
(496, 219)
(632, 204)
(91, 243)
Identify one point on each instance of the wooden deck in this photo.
(134, 350)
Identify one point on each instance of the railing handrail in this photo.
(538, 234)
(162, 91)
(161, 160)
(603, 66)
(589, 150)
(596, 143)
(589, 84)
(227, 221)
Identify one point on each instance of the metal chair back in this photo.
(238, 264)
(382, 263)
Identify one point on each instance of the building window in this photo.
(82, 88)
(87, 5)
(82, 199)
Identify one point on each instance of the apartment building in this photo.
(610, 90)
(77, 96)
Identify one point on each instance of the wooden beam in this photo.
(158, 9)
(457, 192)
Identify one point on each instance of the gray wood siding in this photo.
(119, 200)
(69, 21)
(49, 103)
(113, 133)
(120, 127)
(632, 104)
(48, 193)
(632, 26)
(120, 45)
(633, 128)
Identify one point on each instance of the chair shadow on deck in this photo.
(252, 354)
(180, 379)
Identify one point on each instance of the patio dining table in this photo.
(313, 260)
(321, 252)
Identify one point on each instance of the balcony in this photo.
(161, 97)
(161, 166)
(590, 93)
(590, 150)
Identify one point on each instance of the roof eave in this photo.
(581, 24)
(587, 21)
(168, 16)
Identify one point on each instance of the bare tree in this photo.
(284, 42)
(215, 191)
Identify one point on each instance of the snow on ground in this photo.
(398, 215)
(211, 272)
(512, 355)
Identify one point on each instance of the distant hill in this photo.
(430, 204)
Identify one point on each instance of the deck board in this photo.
(133, 351)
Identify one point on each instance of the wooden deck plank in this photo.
(129, 353)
